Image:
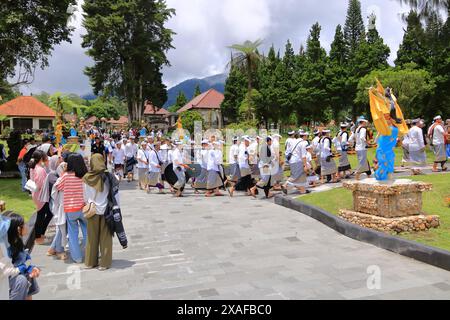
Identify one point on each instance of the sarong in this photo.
(327, 168)
(130, 165)
(440, 154)
(255, 171)
(154, 179)
(344, 164)
(214, 180)
(181, 182)
(143, 178)
(235, 173)
(363, 163)
(418, 159)
(201, 180)
(245, 182)
(298, 175)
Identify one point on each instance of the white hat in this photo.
(304, 133)
(326, 131)
(246, 138)
(205, 141)
(178, 143)
(437, 118)
(218, 142)
(291, 133)
(344, 125)
(276, 135)
(144, 143)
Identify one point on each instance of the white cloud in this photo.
(206, 27)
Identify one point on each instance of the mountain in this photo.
(188, 87)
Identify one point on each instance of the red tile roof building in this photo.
(27, 112)
(208, 105)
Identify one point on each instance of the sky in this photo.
(205, 28)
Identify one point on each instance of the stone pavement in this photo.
(236, 248)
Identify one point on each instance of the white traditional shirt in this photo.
(131, 150)
(416, 139)
(325, 147)
(290, 143)
(360, 138)
(213, 160)
(233, 154)
(243, 157)
(298, 151)
(438, 135)
(177, 158)
(341, 140)
(316, 145)
(118, 156)
(204, 159)
(153, 161)
(142, 155)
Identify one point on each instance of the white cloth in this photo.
(214, 160)
(316, 145)
(290, 143)
(177, 158)
(99, 198)
(438, 136)
(204, 159)
(233, 154)
(153, 162)
(298, 150)
(416, 142)
(325, 148)
(360, 138)
(142, 158)
(59, 216)
(131, 150)
(118, 156)
(243, 157)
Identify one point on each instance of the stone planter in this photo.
(394, 206)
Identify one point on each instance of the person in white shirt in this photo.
(245, 183)
(405, 146)
(296, 156)
(328, 166)
(179, 168)
(202, 179)
(316, 148)
(215, 180)
(118, 159)
(268, 166)
(361, 146)
(311, 176)
(254, 157)
(342, 144)
(233, 160)
(142, 165)
(131, 150)
(417, 154)
(290, 141)
(437, 136)
(154, 169)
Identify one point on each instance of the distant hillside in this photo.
(89, 96)
(188, 87)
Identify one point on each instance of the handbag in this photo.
(31, 186)
(90, 209)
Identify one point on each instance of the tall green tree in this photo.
(413, 47)
(427, 8)
(181, 100)
(247, 58)
(128, 41)
(354, 30)
(29, 30)
(235, 91)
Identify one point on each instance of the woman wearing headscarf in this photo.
(57, 208)
(96, 190)
(6, 267)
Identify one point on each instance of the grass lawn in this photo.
(433, 203)
(16, 200)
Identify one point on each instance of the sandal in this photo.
(62, 256)
(51, 253)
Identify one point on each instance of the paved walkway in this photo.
(239, 248)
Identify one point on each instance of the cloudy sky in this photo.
(206, 27)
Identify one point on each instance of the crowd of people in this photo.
(79, 190)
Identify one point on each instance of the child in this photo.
(24, 285)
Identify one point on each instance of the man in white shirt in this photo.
(233, 160)
(118, 158)
(342, 138)
(417, 154)
(296, 156)
(437, 136)
(290, 141)
(142, 165)
(154, 169)
(131, 150)
(214, 162)
(361, 146)
(202, 179)
(245, 183)
(328, 166)
(179, 168)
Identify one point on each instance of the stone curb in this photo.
(430, 255)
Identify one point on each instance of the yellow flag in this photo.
(377, 109)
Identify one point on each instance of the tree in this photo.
(128, 41)
(71, 103)
(29, 29)
(413, 48)
(427, 8)
(235, 90)
(247, 59)
(188, 119)
(354, 30)
(337, 75)
(412, 87)
(197, 91)
(109, 108)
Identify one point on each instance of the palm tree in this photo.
(246, 58)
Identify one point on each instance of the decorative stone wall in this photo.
(389, 225)
(400, 198)
(394, 206)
